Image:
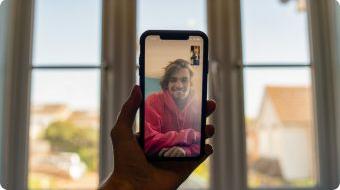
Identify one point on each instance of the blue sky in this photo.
(68, 32)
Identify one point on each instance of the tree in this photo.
(65, 136)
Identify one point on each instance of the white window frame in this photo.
(229, 159)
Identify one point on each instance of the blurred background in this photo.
(66, 67)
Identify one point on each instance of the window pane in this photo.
(280, 128)
(176, 15)
(64, 129)
(67, 32)
(275, 31)
(171, 15)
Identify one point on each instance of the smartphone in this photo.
(173, 78)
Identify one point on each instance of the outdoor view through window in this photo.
(281, 149)
(64, 123)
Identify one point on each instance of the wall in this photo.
(151, 85)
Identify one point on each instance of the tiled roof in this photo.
(292, 104)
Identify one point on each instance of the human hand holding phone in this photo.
(132, 170)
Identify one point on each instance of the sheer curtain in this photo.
(3, 33)
(337, 73)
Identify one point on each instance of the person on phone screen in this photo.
(173, 115)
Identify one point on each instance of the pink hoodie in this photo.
(166, 125)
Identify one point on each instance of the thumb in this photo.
(128, 112)
(122, 131)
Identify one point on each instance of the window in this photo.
(176, 15)
(278, 88)
(67, 69)
(65, 95)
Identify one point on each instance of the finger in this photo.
(169, 152)
(181, 153)
(130, 107)
(138, 137)
(211, 106)
(122, 129)
(177, 152)
(174, 153)
(162, 152)
(208, 149)
(209, 131)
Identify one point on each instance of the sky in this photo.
(69, 32)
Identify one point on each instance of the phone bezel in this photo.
(174, 35)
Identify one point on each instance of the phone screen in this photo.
(173, 83)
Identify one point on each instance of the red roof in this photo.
(292, 104)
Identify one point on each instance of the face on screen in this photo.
(173, 97)
(179, 84)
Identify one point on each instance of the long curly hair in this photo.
(172, 68)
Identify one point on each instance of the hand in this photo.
(174, 151)
(193, 136)
(131, 168)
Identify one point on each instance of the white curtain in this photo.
(3, 37)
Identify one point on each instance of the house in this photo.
(285, 131)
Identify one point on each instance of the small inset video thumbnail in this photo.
(195, 55)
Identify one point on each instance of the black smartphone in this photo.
(173, 79)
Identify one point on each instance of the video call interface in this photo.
(173, 97)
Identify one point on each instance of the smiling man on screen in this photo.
(172, 116)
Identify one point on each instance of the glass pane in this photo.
(171, 15)
(275, 32)
(4, 11)
(64, 129)
(280, 128)
(176, 15)
(67, 32)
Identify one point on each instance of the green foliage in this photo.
(65, 136)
